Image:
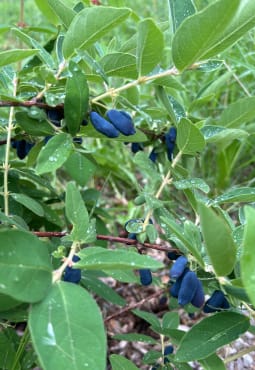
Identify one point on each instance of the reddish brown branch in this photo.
(109, 238)
(134, 305)
(29, 103)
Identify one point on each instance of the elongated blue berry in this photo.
(153, 155)
(23, 148)
(145, 276)
(167, 351)
(136, 147)
(122, 121)
(173, 255)
(55, 116)
(72, 275)
(103, 126)
(199, 297)
(188, 288)
(216, 302)
(175, 288)
(170, 138)
(178, 267)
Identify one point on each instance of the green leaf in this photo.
(150, 45)
(213, 362)
(179, 232)
(8, 303)
(189, 138)
(96, 258)
(218, 239)
(7, 348)
(25, 268)
(248, 256)
(80, 168)
(42, 53)
(76, 98)
(29, 203)
(76, 213)
(170, 320)
(90, 281)
(121, 363)
(54, 153)
(180, 10)
(193, 183)
(67, 330)
(164, 98)
(213, 332)
(63, 11)
(238, 113)
(147, 316)
(134, 337)
(33, 126)
(120, 65)
(15, 55)
(146, 166)
(244, 194)
(89, 25)
(221, 135)
(46, 10)
(201, 35)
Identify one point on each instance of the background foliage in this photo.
(67, 190)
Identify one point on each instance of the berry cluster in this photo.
(187, 287)
(119, 122)
(169, 137)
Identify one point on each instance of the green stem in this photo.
(58, 273)
(22, 344)
(7, 152)
(141, 80)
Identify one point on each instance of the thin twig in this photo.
(109, 238)
(29, 103)
(133, 306)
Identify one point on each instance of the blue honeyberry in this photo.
(175, 288)
(55, 116)
(145, 276)
(178, 267)
(170, 138)
(153, 155)
(199, 297)
(103, 126)
(132, 236)
(217, 302)
(188, 288)
(23, 148)
(168, 350)
(72, 275)
(173, 255)
(122, 121)
(136, 147)
(77, 140)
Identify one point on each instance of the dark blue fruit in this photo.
(145, 276)
(136, 147)
(199, 297)
(103, 126)
(168, 350)
(122, 121)
(72, 275)
(178, 267)
(170, 138)
(153, 155)
(55, 116)
(217, 302)
(175, 288)
(132, 236)
(173, 255)
(77, 140)
(188, 288)
(23, 148)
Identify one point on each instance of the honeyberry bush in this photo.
(67, 189)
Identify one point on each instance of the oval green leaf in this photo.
(67, 330)
(25, 268)
(189, 138)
